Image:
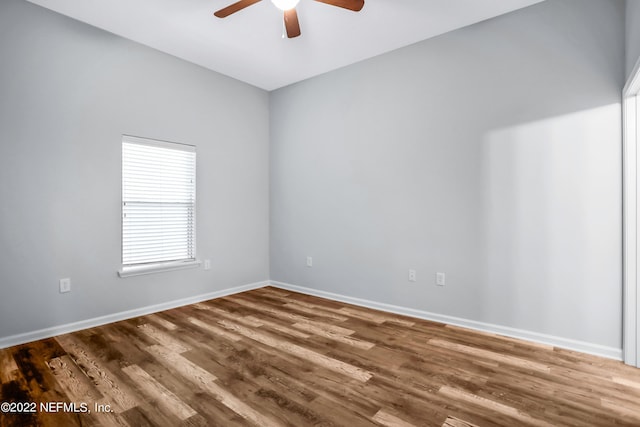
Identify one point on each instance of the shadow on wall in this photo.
(552, 211)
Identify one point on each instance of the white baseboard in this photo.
(585, 347)
(581, 346)
(123, 315)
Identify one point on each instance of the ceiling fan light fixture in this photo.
(285, 4)
(291, 23)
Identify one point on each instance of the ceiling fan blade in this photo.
(291, 23)
(355, 5)
(223, 13)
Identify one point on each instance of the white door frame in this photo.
(631, 292)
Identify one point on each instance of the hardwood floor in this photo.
(272, 358)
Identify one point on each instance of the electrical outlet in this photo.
(412, 275)
(440, 279)
(65, 285)
(207, 264)
(309, 261)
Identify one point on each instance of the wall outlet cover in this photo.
(65, 285)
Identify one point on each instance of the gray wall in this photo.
(632, 29)
(491, 153)
(67, 93)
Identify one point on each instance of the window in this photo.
(158, 206)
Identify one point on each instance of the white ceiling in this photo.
(249, 46)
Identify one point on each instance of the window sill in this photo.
(157, 268)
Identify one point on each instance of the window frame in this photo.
(127, 270)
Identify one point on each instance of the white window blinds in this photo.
(158, 202)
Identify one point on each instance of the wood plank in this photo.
(508, 360)
(254, 322)
(239, 407)
(80, 389)
(473, 332)
(315, 311)
(354, 342)
(627, 382)
(8, 367)
(280, 328)
(311, 356)
(290, 316)
(456, 422)
(376, 316)
(251, 321)
(629, 414)
(181, 365)
(117, 395)
(163, 338)
(386, 419)
(36, 383)
(269, 290)
(492, 406)
(213, 328)
(159, 394)
(162, 322)
(15, 389)
(77, 386)
(207, 381)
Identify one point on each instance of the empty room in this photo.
(319, 213)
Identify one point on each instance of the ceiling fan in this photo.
(289, 8)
